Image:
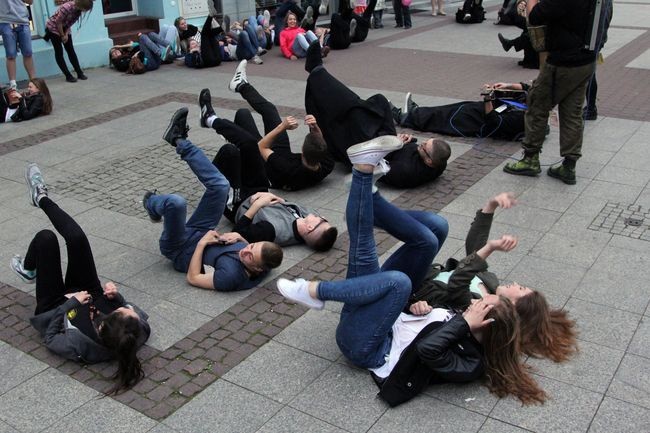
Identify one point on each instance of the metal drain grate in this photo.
(630, 220)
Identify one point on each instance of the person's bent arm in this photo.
(266, 143)
(505, 244)
(194, 275)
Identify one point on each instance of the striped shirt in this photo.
(66, 15)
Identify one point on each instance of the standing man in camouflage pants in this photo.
(562, 81)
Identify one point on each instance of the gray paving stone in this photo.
(120, 261)
(597, 287)
(528, 217)
(640, 344)
(207, 302)
(544, 198)
(494, 426)
(16, 367)
(580, 252)
(632, 381)
(587, 205)
(340, 392)
(570, 409)
(626, 176)
(622, 261)
(42, 400)
(300, 334)
(617, 416)
(159, 279)
(293, 370)
(466, 204)
(6, 428)
(103, 414)
(223, 407)
(612, 191)
(418, 415)
(601, 324)
(289, 420)
(472, 396)
(592, 368)
(547, 275)
(162, 428)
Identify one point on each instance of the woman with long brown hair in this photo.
(77, 318)
(545, 332)
(16, 106)
(406, 352)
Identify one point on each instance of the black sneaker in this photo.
(155, 218)
(177, 129)
(205, 102)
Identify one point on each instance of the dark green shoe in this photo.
(527, 166)
(564, 173)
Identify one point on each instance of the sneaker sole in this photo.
(29, 186)
(304, 304)
(368, 147)
(565, 180)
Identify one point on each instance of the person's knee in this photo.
(174, 203)
(46, 237)
(400, 281)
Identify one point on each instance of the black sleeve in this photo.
(451, 361)
(29, 108)
(479, 232)
(260, 231)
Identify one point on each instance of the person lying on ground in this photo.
(191, 244)
(19, 106)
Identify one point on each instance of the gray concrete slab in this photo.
(289, 420)
(474, 397)
(570, 410)
(42, 400)
(103, 414)
(340, 392)
(494, 426)
(223, 407)
(300, 334)
(631, 382)
(16, 367)
(619, 416)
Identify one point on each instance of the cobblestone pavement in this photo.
(250, 361)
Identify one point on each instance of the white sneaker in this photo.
(239, 77)
(407, 103)
(267, 18)
(298, 292)
(373, 151)
(257, 60)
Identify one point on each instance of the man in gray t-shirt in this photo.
(15, 32)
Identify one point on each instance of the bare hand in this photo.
(290, 123)
(230, 238)
(211, 237)
(265, 199)
(475, 315)
(310, 120)
(505, 200)
(505, 244)
(110, 290)
(64, 38)
(293, 57)
(405, 138)
(420, 308)
(501, 85)
(83, 297)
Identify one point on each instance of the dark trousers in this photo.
(592, 91)
(43, 255)
(402, 14)
(210, 51)
(339, 36)
(58, 45)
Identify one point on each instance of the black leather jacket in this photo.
(30, 106)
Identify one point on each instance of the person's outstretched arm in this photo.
(479, 232)
(266, 143)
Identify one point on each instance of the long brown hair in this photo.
(505, 373)
(545, 333)
(120, 335)
(45, 91)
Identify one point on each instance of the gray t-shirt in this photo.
(13, 12)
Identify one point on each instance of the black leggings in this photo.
(58, 45)
(43, 255)
(210, 51)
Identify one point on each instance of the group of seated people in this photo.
(409, 321)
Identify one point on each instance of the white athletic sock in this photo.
(211, 119)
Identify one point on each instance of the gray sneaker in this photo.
(18, 267)
(35, 183)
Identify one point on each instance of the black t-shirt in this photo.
(407, 170)
(258, 232)
(285, 171)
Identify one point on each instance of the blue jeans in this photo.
(152, 46)
(170, 34)
(251, 29)
(179, 238)
(301, 43)
(245, 48)
(373, 299)
(20, 36)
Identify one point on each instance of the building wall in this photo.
(91, 40)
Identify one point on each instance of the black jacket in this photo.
(73, 344)
(30, 106)
(566, 25)
(441, 352)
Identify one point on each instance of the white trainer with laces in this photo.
(298, 291)
(373, 151)
(239, 77)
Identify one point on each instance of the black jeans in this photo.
(43, 255)
(58, 45)
(592, 91)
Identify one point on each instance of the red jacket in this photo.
(287, 36)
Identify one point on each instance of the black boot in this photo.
(505, 43)
(313, 57)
